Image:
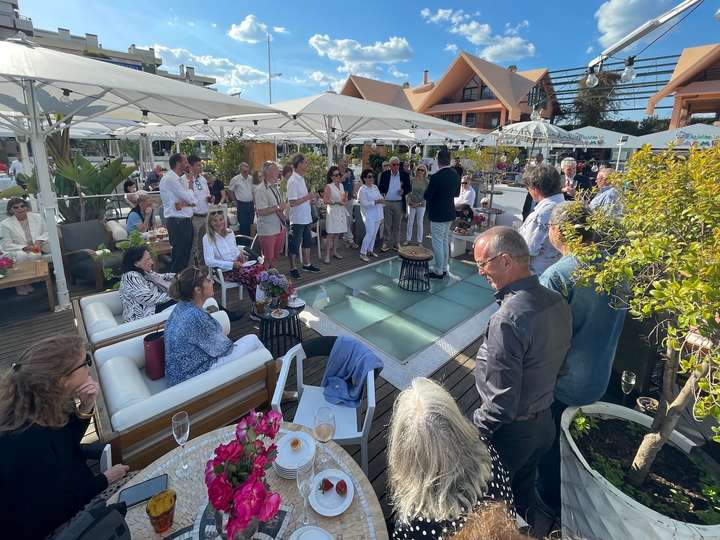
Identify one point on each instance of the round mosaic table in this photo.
(414, 268)
(363, 520)
(280, 334)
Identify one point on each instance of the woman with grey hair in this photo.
(440, 469)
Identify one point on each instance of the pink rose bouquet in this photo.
(235, 476)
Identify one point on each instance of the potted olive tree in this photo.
(664, 255)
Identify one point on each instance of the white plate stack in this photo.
(294, 450)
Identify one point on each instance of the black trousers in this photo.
(245, 216)
(164, 305)
(180, 231)
(521, 445)
(549, 467)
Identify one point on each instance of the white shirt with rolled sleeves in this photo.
(174, 189)
(222, 252)
(535, 231)
(466, 197)
(201, 191)
(367, 195)
(296, 189)
(242, 188)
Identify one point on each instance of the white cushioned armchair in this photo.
(133, 412)
(99, 319)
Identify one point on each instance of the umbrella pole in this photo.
(47, 195)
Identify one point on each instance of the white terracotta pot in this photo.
(594, 509)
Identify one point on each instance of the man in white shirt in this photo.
(241, 187)
(300, 217)
(467, 195)
(178, 202)
(199, 186)
(16, 167)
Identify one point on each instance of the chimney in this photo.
(189, 72)
(64, 33)
(406, 85)
(512, 68)
(425, 76)
(92, 41)
(181, 69)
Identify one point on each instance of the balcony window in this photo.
(475, 90)
(454, 118)
(470, 120)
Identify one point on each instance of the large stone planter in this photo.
(594, 509)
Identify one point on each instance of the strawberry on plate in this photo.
(341, 488)
(326, 485)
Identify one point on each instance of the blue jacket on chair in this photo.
(347, 368)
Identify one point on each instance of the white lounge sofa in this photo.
(99, 319)
(133, 412)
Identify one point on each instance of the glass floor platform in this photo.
(402, 325)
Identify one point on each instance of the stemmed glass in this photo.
(324, 431)
(181, 432)
(304, 478)
(627, 383)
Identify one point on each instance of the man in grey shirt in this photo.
(517, 365)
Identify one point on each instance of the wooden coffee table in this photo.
(27, 273)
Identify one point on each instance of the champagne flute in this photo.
(181, 432)
(627, 383)
(324, 431)
(304, 478)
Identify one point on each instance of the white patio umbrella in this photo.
(331, 118)
(36, 83)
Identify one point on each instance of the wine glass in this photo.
(324, 431)
(304, 478)
(181, 432)
(627, 383)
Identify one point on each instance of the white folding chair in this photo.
(310, 398)
(217, 276)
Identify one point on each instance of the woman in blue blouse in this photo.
(194, 340)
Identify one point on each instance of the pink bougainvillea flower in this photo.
(251, 494)
(259, 462)
(231, 451)
(269, 507)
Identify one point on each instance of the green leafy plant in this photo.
(226, 160)
(582, 425)
(130, 149)
(665, 251)
(375, 161)
(187, 147)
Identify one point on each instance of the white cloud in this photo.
(280, 30)
(617, 18)
(589, 49)
(444, 15)
(507, 48)
(511, 30)
(491, 46)
(228, 74)
(475, 32)
(320, 79)
(354, 57)
(451, 48)
(191, 24)
(395, 72)
(214, 25)
(250, 30)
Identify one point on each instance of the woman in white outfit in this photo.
(416, 204)
(24, 236)
(336, 220)
(372, 213)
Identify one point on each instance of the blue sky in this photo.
(316, 44)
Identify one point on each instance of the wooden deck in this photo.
(23, 319)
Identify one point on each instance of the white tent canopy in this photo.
(336, 118)
(37, 82)
(700, 135)
(595, 137)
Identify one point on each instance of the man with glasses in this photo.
(300, 218)
(393, 185)
(524, 346)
